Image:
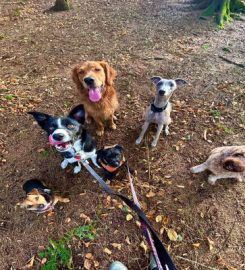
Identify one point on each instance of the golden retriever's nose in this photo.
(89, 80)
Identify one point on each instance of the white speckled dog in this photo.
(224, 162)
(159, 111)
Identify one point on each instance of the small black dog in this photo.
(39, 198)
(110, 158)
(68, 136)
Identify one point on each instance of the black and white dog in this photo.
(68, 136)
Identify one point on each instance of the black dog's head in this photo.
(111, 155)
(63, 132)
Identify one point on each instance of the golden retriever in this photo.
(94, 80)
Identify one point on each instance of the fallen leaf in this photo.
(165, 220)
(196, 245)
(89, 256)
(144, 246)
(129, 217)
(29, 264)
(118, 246)
(87, 264)
(67, 220)
(162, 230)
(172, 234)
(43, 261)
(96, 263)
(210, 243)
(150, 194)
(107, 251)
(158, 218)
(127, 240)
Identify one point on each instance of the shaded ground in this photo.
(140, 39)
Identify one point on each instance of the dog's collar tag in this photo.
(157, 109)
(77, 157)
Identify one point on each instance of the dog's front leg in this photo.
(144, 129)
(156, 138)
(112, 125)
(64, 163)
(77, 168)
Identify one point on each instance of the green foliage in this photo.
(215, 113)
(17, 12)
(59, 254)
(205, 46)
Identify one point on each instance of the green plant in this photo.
(215, 113)
(205, 46)
(227, 130)
(17, 12)
(58, 254)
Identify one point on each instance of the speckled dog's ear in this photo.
(156, 79)
(40, 117)
(180, 82)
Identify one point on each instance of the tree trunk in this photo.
(61, 5)
(222, 9)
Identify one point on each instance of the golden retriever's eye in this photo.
(70, 126)
(81, 71)
(97, 69)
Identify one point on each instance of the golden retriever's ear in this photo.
(109, 72)
(75, 77)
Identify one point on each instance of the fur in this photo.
(103, 76)
(224, 162)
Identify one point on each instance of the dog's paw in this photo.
(77, 169)
(100, 132)
(154, 144)
(113, 126)
(212, 180)
(138, 141)
(64, 164)
(167, 132)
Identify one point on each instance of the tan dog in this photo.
(224, 162)
(94, 81)
(39, 198)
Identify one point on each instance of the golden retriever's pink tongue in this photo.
(94, 94)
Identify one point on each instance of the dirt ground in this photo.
(139, 38)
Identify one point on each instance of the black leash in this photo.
(164, 258)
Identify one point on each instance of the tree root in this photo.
(222, 10)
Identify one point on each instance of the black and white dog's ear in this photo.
(156, 79)
(41, 118)
(119, 147)
(180, 82)
(78, 114)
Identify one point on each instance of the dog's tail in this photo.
(234, 164)
(199, 168)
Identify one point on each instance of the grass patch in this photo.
(215, 113)
(226, 129)
(17, 12)
(205, 46)
(59, 254)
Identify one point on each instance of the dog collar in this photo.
(157, 109)
(109, 168)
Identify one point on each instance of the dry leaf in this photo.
(165, 220)
(118, 246)
(96, 263)
(144, 246)
(210, 243)
(43, 261)
(138, 223)
(150, 194)
(162, 230)
(172, 234)
(29, 264)
(107, 251)
(89, 256)
(87, 264)
(196, 245)
(67, 220)
(158, 218)
(231, 268)
(127, 240)
(129, 217)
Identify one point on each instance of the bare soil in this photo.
(139, 38)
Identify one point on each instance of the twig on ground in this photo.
(231, 62)
(194, 262)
